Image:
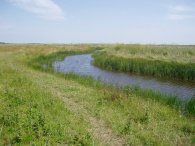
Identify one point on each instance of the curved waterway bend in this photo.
(82, 65)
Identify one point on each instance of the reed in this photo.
(168, 53)
(145, 66)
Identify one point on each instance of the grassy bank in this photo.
(29, 114)
(44, 62)
(162, 61)
(52, 108)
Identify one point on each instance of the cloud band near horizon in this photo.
(46, 9)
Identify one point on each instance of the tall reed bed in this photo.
(167, 53)
(140, 65)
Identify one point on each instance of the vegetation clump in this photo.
(162, 61)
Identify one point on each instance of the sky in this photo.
(98, 21)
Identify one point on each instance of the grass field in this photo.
(167, 61)
(41, 107)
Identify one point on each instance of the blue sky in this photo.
(97, 21)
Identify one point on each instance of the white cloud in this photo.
(181, 12)
(46, 9)
(180, 8)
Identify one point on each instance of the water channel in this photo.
(82, 65)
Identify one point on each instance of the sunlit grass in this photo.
(32, 110)
(167, 53)
(176, 62)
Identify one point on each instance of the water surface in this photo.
(82, 65)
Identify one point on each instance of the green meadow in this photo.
(43, 107)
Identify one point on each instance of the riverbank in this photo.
(52, 108)
(44, 63)
(81, 64)
(175, 62)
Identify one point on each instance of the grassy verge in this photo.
(30, 114)
(140, 117)
(160, 61)
(132, 116)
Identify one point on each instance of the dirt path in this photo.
(98, 127)
(99, 130)
(53, 84)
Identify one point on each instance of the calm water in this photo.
(81, 64)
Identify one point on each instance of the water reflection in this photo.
(81, 64)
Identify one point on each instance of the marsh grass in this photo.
(161, 61)
(32, 114)
(168, 53)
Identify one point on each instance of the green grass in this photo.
(30, 115)
(39, 106)
(168, 53)
(176, 62)
(186, 107)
